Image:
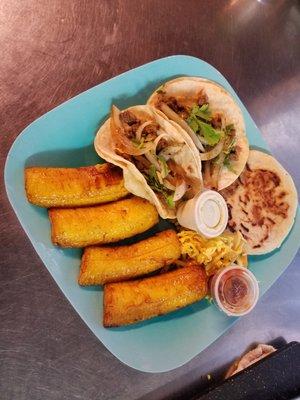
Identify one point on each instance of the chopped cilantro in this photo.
(170, 201)
(152, 170)
(211, 135)
(154, 183)
(219, 159)
(228, 164)
(199, 119)
(137, 143)
(141, 143)
(202, 112)
(193, 123)
(229, 147)
(164, 164)
(229, 128)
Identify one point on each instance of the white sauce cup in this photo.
(206, 213)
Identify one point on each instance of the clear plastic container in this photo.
(206, 213)
(235, 290)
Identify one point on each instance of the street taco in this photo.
(159, 160)
(214, 122)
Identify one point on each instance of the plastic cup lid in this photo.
(211, 214)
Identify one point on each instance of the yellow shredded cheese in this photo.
(213, 253)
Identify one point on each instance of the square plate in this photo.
(64, 137)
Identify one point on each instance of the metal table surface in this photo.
(52, 50)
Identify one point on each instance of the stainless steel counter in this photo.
(53, 50)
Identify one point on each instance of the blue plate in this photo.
(64, 137)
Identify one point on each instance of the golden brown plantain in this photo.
(80, 227)
(67, 187)
(101, 265)
(129, 302)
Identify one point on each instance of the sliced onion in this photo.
(164, 172)
(202, 140)
(158, 139)
(140, 129)
(122, 142)
(160, 178)
(180, 191)
(152, 159)
(170, 151)
(151, 155)
(209, 155)
(173, 116)
(168, 185)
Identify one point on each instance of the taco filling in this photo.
(212, 135)
(138, 138)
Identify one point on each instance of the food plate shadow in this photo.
(161, 226)
(41, 212)
(262, 257)
(178, 314)
(71, 253)
(92, 288)
(71, 158)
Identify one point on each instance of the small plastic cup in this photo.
(235, 290)
(206, 213)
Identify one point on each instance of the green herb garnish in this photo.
(135, 142)
(199, 119)
(170, 201)
(228, 129)
(211, 135)
(197, 113)
(138, 144)
(154, 183)
(202, 112)
(164, 164)
(229, 147)
(228, 164)
(193, 123)
(152, 172)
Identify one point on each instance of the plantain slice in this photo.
(101, 265)
(70, 187)
(85, 226)
(129, 302)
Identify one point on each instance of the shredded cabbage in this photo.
(214, 253)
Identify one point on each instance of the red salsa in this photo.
(234, 291)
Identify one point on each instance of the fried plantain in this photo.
(101, 265)
(129, 302)
(80, 227)
(71, 187)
